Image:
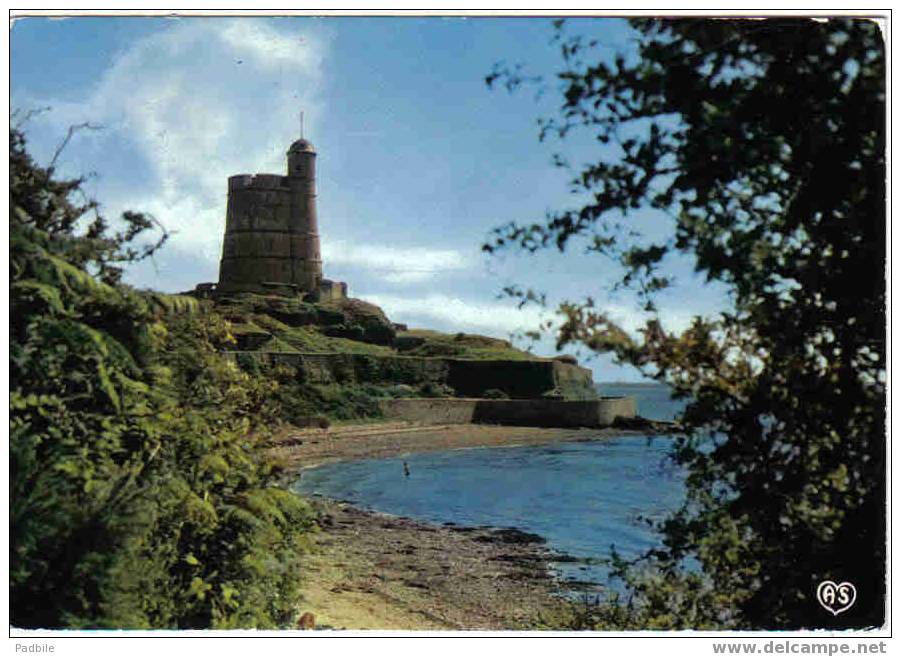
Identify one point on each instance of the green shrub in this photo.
(434, 389)
(298, 401)
(248, 363)
(139, 496)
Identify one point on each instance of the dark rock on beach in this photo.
(511, 535)
(376, 570)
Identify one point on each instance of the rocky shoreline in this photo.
(377, 571)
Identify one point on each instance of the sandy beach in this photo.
(301, 448)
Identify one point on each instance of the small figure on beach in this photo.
(406, 469)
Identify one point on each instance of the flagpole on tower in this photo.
(301, 124)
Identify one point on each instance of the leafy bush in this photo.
(299, 401)
(138, 495)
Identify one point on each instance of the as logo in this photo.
(836, 598)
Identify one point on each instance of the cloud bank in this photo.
(190, 103)
(503, 318)
(455, 313)
(394, 264)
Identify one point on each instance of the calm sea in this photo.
(583, 497)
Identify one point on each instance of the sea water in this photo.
(583, 497)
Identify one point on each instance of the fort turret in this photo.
(304, 223)
(272, 232)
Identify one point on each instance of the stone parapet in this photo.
(258, 181)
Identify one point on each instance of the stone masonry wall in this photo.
(471, 378)
(516, 412)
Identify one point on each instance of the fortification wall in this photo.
(472, 378)
(355, 368)
(516, 412)
(520, 379)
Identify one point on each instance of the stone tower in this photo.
(305, 226)
(272, 232)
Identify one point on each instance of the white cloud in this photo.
(267, 46)
(394, 264)
(501, 318)
(196, 102)
(675, 319)
(441, 311)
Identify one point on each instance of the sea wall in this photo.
(517, 412)
(518, 379)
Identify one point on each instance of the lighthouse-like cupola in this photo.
(301, 160)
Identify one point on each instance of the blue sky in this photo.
(418, 159)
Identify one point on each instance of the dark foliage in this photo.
(764, 142)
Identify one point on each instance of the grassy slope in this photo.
(279, 324)
(296, 326)
(462, 345)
